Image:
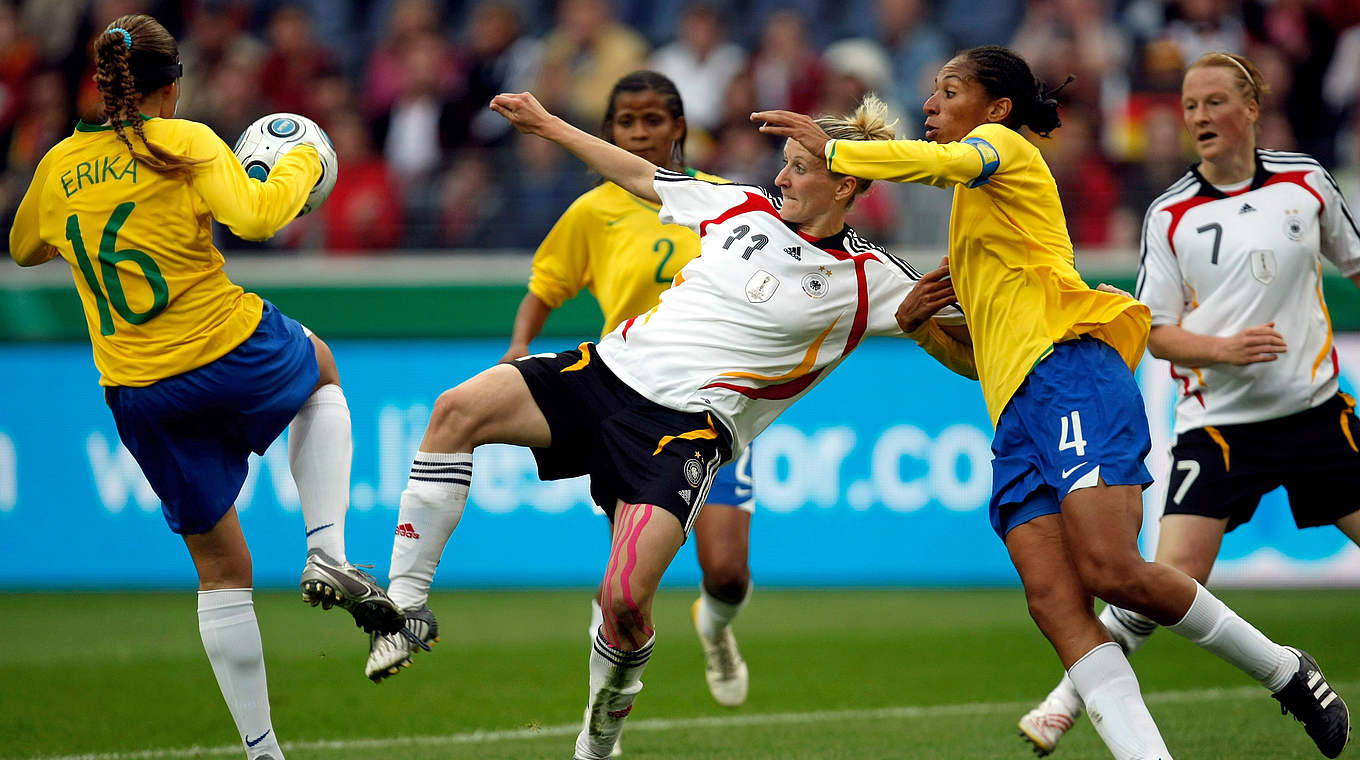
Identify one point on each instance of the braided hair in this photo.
(1004, 74)
(649, 81)
(133, 57)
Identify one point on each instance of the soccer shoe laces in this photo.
(414, 639)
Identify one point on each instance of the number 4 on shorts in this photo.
(1076, 441)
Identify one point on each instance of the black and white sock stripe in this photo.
(1135, 624)
(431, 470)
(620, 658)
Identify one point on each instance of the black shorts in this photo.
(1223, 471)
(634, 449)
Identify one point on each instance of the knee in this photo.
(455, 418)
(1051, 606)
(627, 623)
(727, 579)
(1115, 577)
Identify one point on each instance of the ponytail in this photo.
(1004, 74)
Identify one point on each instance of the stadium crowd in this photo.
(401, 86)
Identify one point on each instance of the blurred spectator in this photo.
(1076, 37)
(216, 40)
(18, 61)
(545, 180)
(743, 154)
(44, 121)
(1298, 31)
(702, 63)
(409, 20)
(788, 72)
(363, 213)
(971, 23)
(583, 55)
(468, 200)
(855, 67)
(917, 49)
(413, 133)
(1160, 158)
(1201, 26)
(293, 61)
(1086, 182)
(501, 58)
(1341, 83)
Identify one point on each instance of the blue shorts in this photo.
(192, 433)
(1078, 419)
(733, 485)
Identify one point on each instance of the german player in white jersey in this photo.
(1232, 272)
(780, 293)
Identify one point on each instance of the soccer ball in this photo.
(274, 135)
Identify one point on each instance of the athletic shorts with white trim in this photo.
(1223, 471)
(634, 450)
(1077, 420)
(734, 486)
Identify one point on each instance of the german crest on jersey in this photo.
(1293, 227)
(1263, 266)
(693, 471)
(815, 284)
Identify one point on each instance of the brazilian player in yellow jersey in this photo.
(197, 372)
(613, 243)
(1055, 361)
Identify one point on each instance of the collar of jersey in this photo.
(1208, 190)
(85, 126)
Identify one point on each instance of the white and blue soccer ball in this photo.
(264, 141)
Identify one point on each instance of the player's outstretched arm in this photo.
(1258, 343)
(630, 172)
(796, 126)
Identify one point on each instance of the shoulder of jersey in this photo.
(1285, 161)
(666, 175)
(1186, 187)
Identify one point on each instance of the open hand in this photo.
(932, 292)
(795, 126)
(523, 111)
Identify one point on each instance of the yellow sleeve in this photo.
(947, 351)
(971, 161)
(26, 246)
(562, 261)
(253, 210)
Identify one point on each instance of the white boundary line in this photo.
(660, 725)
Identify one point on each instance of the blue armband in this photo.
(991, 160)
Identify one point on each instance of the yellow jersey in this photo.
(139, 243)
(612, 243)
(1010, 256)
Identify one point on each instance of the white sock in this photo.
(596, 618)
(231, 637)
(431, 507)
(320, 449)
(1128, 629)
(1109, 689)
(615, 680)
(1218, 629)
(715, 614)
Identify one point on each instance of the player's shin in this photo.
(320, 449)
(1109, 689)
(231, 637)
(1209, 623)
(431, 507)
(615, 680)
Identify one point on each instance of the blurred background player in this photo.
(668, 396)
(1056, 359)
(614, 244)
(1232, 268)
(198, 373)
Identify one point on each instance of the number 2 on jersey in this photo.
(109, 257)
(1076, 441)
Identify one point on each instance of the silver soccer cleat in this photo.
(329, 583)
(388, 653)
(725, 670)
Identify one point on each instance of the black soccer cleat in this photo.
(1316, 705)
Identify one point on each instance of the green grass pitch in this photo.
(834, 674)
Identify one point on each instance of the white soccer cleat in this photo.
(725, 670)
(388, 653)
(1045, 725)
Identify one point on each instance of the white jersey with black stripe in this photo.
(1216, 260)
(761, 315)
